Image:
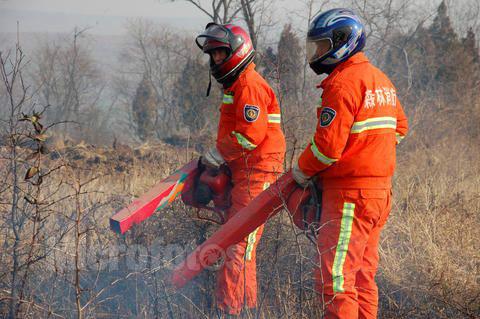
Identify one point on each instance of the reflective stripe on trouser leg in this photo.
(346, 232)
(236, 280)
(342, 246)
(252, 237)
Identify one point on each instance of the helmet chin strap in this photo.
(209, 82)
(327, 69)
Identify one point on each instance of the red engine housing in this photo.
(304, 205)
(208, 185)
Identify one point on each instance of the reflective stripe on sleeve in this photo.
(319, 156)
(373, 124)
(274, 118)
(342, 246)
(244, 142)
(227, 99)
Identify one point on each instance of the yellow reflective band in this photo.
(373, 124)
(274, 118)
(399, 137)
(244, 142)
(227, 99)
(252, 238)
(319, 156)
(342, 246)
(319, 105)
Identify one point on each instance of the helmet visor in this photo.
(317, 49)
(215, 35)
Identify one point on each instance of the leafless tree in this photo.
(257, 14)
(150, 54)
(159, 56)
(71, 84)
(220, 11)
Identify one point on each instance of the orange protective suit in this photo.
(252, 143)
(353, 154)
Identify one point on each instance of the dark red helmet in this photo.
(240, 51)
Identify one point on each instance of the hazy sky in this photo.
(156, 8)
(109, 16)
(105, 16)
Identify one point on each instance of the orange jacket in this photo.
(360, 120)
(249, 131)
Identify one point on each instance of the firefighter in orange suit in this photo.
(352, 156)
(250, 141)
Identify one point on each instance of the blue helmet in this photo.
(333, 36)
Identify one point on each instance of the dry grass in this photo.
(429, 251)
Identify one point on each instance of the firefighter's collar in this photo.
(359, 57)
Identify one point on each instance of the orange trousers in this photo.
(237, 279)
(351, 223)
